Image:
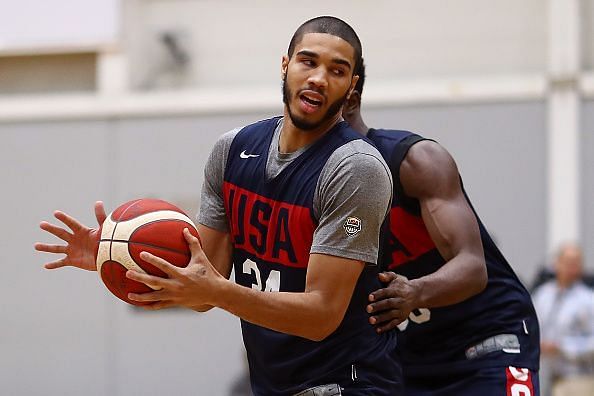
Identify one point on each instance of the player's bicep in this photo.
(451, 225)
(430, 174)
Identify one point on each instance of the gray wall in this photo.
(587, 12)
(587, 193)
(63, 333)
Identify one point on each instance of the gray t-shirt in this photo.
(351, 200)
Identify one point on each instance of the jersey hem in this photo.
(344, 253)
(218, 226)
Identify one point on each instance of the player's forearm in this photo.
(217, 247)
(306, 314)
(459, 279)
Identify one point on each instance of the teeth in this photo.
(311, 101)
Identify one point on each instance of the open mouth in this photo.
(311, 101)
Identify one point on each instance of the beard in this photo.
(301, 122)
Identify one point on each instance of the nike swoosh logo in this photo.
(244, 155)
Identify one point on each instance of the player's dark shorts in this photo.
(491, 381)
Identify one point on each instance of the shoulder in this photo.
(227, 138)
(390, 134)
(261, 125)
(220, 151)
(428, 155)
(583, 290)
(391, 141)
(358, 155)
(356, 168)
(357, 148)
(223, 143)
(428, 168)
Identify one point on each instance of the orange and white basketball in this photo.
(150, 225)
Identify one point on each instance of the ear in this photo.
(284, 66)
(353, 83)
(353, 102)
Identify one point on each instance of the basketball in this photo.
(150, 225)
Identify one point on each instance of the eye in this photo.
(308, 62)
(338, 72)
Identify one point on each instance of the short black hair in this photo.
(361, 81)
(329, 25)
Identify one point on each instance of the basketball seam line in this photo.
(143, 244)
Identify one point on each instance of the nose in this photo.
(319, 77)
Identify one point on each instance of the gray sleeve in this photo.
(352, 199)
(212, 208)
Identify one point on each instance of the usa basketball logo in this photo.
(352, 226)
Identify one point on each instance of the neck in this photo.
(293, 138)
(565, 284)
(359, 126)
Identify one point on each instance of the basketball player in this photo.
(286, 203)
(466, 324)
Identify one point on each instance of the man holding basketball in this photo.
(466, 324)
(294, 204)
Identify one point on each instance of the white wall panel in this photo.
(237, 42)
(47, 25)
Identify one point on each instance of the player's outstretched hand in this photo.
(81, 241)
(191, 287)
(392, 305)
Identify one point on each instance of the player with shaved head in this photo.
(294, 205)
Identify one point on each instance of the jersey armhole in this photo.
(398, 155)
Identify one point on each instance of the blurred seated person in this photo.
(565, 308)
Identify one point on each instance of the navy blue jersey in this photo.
(272, 224)
(449, 338)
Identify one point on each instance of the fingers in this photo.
(387, 277)
(44, 247)
(383, 293)
(100, 212)
(149, 297)
(160, 263)
(394, 288)
(391, 325)
(195, 245)
(385, 304)
(70, 221)
(55, 230)
(57, 264)
(154, 282)
(386, 317)
(152, 300)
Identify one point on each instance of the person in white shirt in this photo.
(565, 308)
